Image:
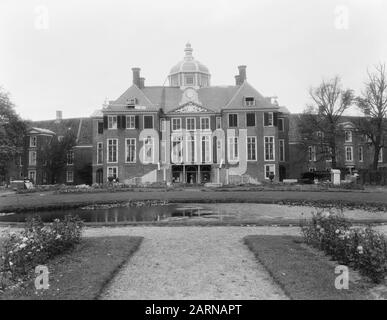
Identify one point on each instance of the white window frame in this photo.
(108, 154)
(281, 145)
(346, 154)
(143, 121)
(349, 132)
(271, 116)
(201, 124)
(126, 150)
(312, 153)
(29, 175)
(255, 148)
(265, 171)
(99, 149)
(68, 157)
(176, 158)
(110, 167)
(163, 125)
(189, 139)
(33, 141)
(111, 125)
(361, 158)
(249, 104)
(264, 148)
(232, 143)
(129, 121)
(32, 160)
(218, 123)
(178, 120)
(67, 176)
(187, 121)
(152, 145)
(207, 157)
(380, 158)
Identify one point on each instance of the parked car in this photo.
(310, 177)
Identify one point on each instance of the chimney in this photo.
(237, 80)
(142, 83)
(136, 76)
(242, 74)
(58, 116)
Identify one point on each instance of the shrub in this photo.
(363, 248)
(35, 245)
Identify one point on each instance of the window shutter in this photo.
(137, 122)
(265, 119)
(105, 122)
(119, 122)
(275, 118)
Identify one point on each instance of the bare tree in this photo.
(373, 103)
(320, 122)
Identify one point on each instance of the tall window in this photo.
(349, 153)
(205, 123)
(130, 150)
(191, 148)
(32, 158)
(99, 153)
(250, 119)
(190, 124)
(251, 148)
(70, 157)
(380, 158)
(100, 127)
(177, 149)
(361, 155)
(70, 176)
(348, 136)
(269, 169)
(268, 119)
(312, 153)
(148, 150)
(112, 150)
(33, 141)
(233, 154)
(206, 151)
(163, 125)
(269, 148)
(176, 124)
(281, 150)
(112, 172)
(233, 120)
(281, 124)
(218, 122)
(130, 122)
(189, 80)
(112, 122)
(148, 122)
(32, 175)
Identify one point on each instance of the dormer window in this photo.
(249, 101)
(131, 102)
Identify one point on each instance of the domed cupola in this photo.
(189, 72)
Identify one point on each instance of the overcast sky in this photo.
(71, 55)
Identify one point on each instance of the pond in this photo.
(226, 212)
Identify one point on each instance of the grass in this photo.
(301, 273)
(82, 273)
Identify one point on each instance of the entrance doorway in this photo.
(205, 174)
(191, 174)
(177, 174)
(282, 173)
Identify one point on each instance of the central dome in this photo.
(189, 72)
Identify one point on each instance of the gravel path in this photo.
(192, 263)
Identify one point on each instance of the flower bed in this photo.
(34, 246)
(363, 249)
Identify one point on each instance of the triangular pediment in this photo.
(191, 108)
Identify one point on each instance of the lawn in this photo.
(82, 273)
(301, 273)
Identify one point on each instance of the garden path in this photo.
(192, 263)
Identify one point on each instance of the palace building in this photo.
(190, 131)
